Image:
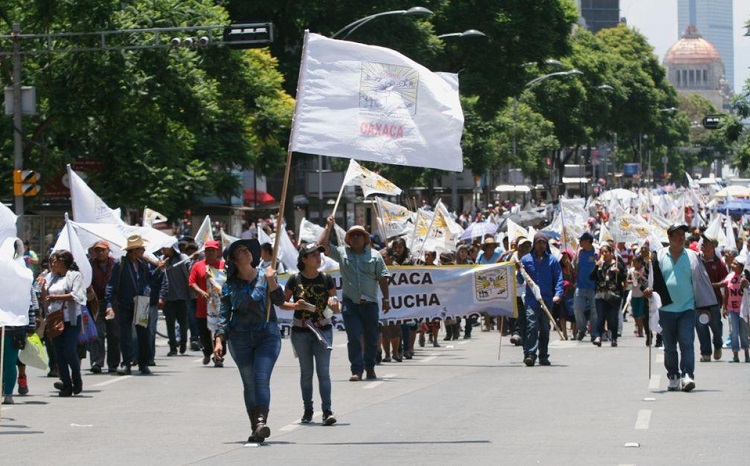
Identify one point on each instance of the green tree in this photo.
(170, 125)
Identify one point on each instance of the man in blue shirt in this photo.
(363, 271)
(544, 269)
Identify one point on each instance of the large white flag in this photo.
(87, 206)
(369, 181)
(7, 223)
(372, 103)
(15, 287)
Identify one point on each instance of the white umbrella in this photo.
(620, 194)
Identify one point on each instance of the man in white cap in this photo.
(363, 270)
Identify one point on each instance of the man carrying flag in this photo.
(363, 270)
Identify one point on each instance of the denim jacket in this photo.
(243, 305)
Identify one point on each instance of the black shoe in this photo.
(194, 346)
(145, 370)
(59, 385)
(172, 352)
(77, 388)
(306, 416)
(408, 355)
(152, 364)
(96, 369)
(218, 363)
(124, 370)
(328, 418)
(614, 343)
(183, 347)
(529, 361)
(544, 362)
(111, 370)
(580, 336)
(371, 374)
(65, 393)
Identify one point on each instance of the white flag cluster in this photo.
(372, 103)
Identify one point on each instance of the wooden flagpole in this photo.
(531, 283)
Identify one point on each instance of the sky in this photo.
(657, 20)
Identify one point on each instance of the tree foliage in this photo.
(170, 125)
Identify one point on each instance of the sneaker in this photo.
(355, 378)
(328, 418)
(8, 400)
(206, 359)
(687, 383)
(123, 370)
(705, 358)
(528, 360)
(306, 416)
(145, 370)
(674, 384)
(597, 341)
(371, 374)
(218, 363)
(194, 346)
(172, 352)
(58, 385)
(516, 340)
(96, 369)
(717, 353)
(23, 386)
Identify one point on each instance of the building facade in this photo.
(599, 14)
(713, 18)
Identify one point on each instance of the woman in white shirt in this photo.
(63, 291)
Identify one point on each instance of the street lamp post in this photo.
(467, 33)
(353, 26)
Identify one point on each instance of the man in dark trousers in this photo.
(106, 329)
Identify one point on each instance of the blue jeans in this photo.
(361, 321)
(678, 327)
(583, 302)
(606, 312)
(125, 322)
(704, 331)
(738, 335)
(66, 353)
(255, 353)
(537, 333)
(308, 348)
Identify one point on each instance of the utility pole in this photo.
(17, 120)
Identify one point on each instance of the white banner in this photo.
(372, 103)
(426, 294)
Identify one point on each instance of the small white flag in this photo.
(152, 217)
(68, 240)
(204, 232)
(369, 181)
(395, 217)
(372, 103)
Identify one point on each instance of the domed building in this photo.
(694, 66)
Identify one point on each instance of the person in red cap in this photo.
(198, 281)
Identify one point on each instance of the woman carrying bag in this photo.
(253, 336)
(308, 294)
(610, 277)
(64, 294)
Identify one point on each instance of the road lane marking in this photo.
(644, 418)
(654, 383)
(114, 380)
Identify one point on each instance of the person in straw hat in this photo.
(130, 278)
(363, 270)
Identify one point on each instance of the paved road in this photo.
(457, 404)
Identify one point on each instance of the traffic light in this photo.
(712, 121)
(25, 183)
(248, 36)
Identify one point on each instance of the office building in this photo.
(599, 14)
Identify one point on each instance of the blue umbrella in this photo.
(479, 229)
(736, 207)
